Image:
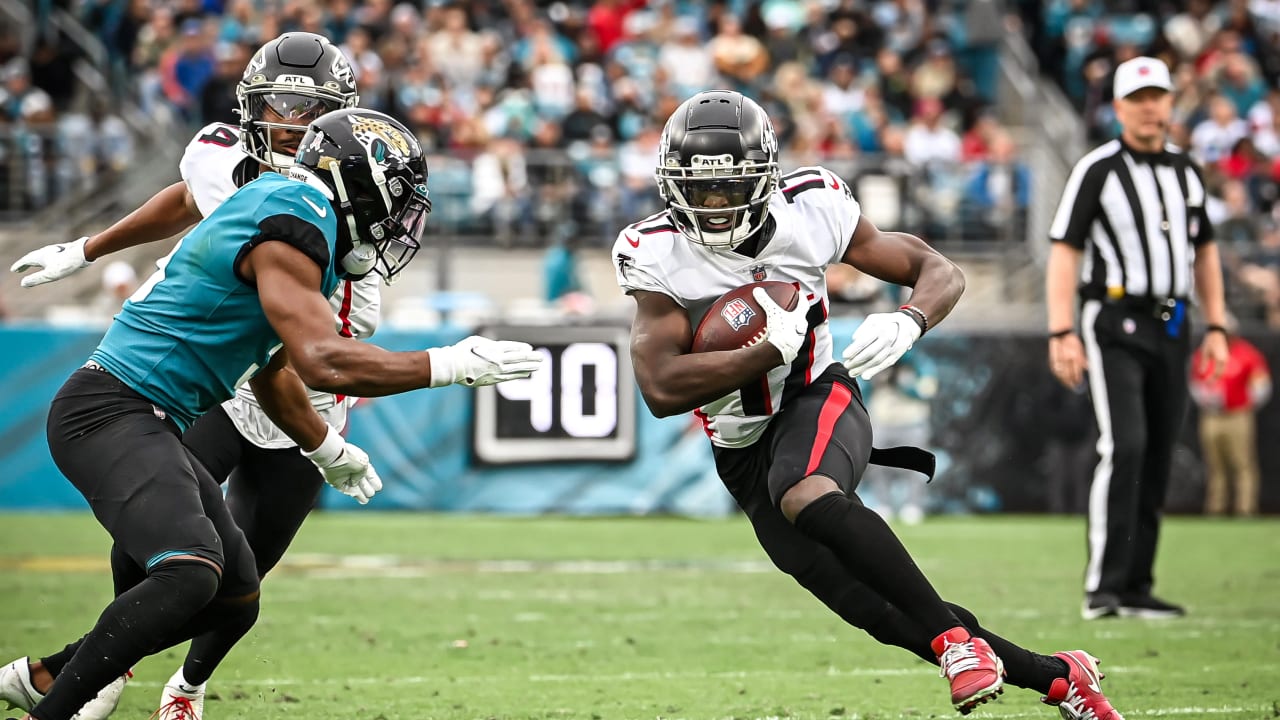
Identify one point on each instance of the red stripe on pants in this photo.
(836, 402)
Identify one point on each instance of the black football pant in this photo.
(1138, 380)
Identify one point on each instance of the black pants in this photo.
(804, 440)
(269, 492)
(154, 498)
(1138, 380)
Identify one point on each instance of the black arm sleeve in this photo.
(1201, 228)
(293, 230)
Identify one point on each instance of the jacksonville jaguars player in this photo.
(788, 428)
(242, 298)
(271, 485)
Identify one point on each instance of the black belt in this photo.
(1160, 308)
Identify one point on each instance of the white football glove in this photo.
(345, 467)
(57, 261)
(784, 329)
(480, 361)
(878, 342)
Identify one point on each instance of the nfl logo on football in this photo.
(737, 313)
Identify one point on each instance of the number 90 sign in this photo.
(580, 405)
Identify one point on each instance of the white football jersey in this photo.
(214, 166)
(815, 215)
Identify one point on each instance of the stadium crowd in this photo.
(544, 118)
(540, 112)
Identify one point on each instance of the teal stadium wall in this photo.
(993, 418)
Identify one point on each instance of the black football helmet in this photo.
(717, 167)
(373, 170)
(297, 77)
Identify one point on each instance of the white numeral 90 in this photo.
(537, 391)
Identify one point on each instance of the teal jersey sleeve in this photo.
(195, 330)
(300, 215)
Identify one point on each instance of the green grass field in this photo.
(407, 617)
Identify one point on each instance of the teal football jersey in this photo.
(194, 331)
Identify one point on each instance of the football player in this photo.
(272, 485)
(788, 428)
(243, 297)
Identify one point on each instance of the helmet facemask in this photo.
(715, 201)
(274, 117)
(386, 222)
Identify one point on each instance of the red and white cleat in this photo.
(1079, 695)
(975, 672)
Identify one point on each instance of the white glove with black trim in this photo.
(345, 467)
(480, 361)
(56, 262)
(879, 342)
(784, 329)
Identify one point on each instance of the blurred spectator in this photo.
(186, 68)
(21, 100)
(51, 70)
(895, 82)
(1228, 406)
(999, 193)
(497, 188)
(841, 95)
(928, 140)
(119, 281)
(458, 53)
(218, 97)
(1213, 139)
(936, 76)
(686, 60)
(741, 58)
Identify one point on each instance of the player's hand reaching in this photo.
(879, 342)
(55, 262)
(345, 467)
(784, 329)
(480, 361)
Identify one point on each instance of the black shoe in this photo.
(1150, 607)
(1100, 605)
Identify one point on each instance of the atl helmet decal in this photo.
(769, 140)
(737, 313)
(380, 137)
(257, 63)
(340, 69)
(711, 161)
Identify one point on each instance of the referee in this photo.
(1132, 232)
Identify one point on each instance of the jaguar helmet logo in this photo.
(380, 138)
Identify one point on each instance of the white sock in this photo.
(185, 686)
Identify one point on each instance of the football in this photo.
(735, 319)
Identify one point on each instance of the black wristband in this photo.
(1215, 328)
(916, 314)
(1061, 333)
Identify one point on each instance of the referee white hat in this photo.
(1141, 72)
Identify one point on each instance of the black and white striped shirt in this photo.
(1137, 217)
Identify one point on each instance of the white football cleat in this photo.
(105, 702)
(15, 686)
(16, 689)
(180, 701)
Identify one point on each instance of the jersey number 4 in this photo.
(222, 136)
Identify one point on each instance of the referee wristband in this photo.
(1215, 328)
(916, 314)
(1061, 333)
